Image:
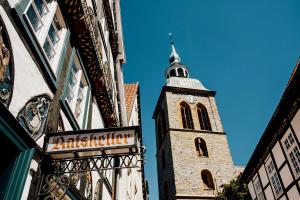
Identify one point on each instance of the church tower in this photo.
(193, 157)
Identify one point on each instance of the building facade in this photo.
(273, 171)
(60, 70)
(193, 156)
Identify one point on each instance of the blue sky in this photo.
(245, 50)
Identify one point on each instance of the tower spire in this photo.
(174, 57)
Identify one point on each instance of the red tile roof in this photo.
(130, 90)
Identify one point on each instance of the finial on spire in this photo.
(171, 38)
(174, 57)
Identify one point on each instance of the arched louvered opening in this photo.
(203, 117)
(201, 147)
(207, 179)
(186, 116)
(172, 73)
(186, 73)
(180, 72)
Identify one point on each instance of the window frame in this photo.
(290, 145)
(273, 177)
(186, 116)
(85, 103)
(210, 185)
(42, 37)
(203, 117)
(258, 188)
(200, 144)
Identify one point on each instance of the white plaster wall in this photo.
(28, 81)
(293, 193)
(134, 116)
(286, 176)
(263, 176)
(13, 3)
(278, 154)
(122, 187)
(268, 193)
(33, 166)
(95, 178)
(97, 121)
(105, 194)
(296, 124)
(251, 190)
(129, 181)
(283, 198)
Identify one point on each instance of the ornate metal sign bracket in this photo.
(95, 163)
(56, 184)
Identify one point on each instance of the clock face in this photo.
(190, 99)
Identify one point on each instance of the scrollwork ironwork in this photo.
(95, 163)
(55, 187)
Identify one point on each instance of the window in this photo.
(186, 116)
(274, 179)
(258, 189)
(53, 36)
(48, 27)
(201, 147)
(172, 72)
(203, 117)
(207, 179)
(180, 72)
(77, 92)
(292, 151)
(36, 12)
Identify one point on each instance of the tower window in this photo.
(201, 147)
(186, 116)
(180, 72)
(207, 179)
(203, 117)
(186, 73)
(172, 72)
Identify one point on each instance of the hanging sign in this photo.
(92, 140)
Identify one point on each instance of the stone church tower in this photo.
(193, 157)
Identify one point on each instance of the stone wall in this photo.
(173, 101)
(183, 165)
(188, 165)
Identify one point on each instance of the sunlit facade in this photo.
(61, 70)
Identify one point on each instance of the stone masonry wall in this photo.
(173, 101)
(186, 163)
